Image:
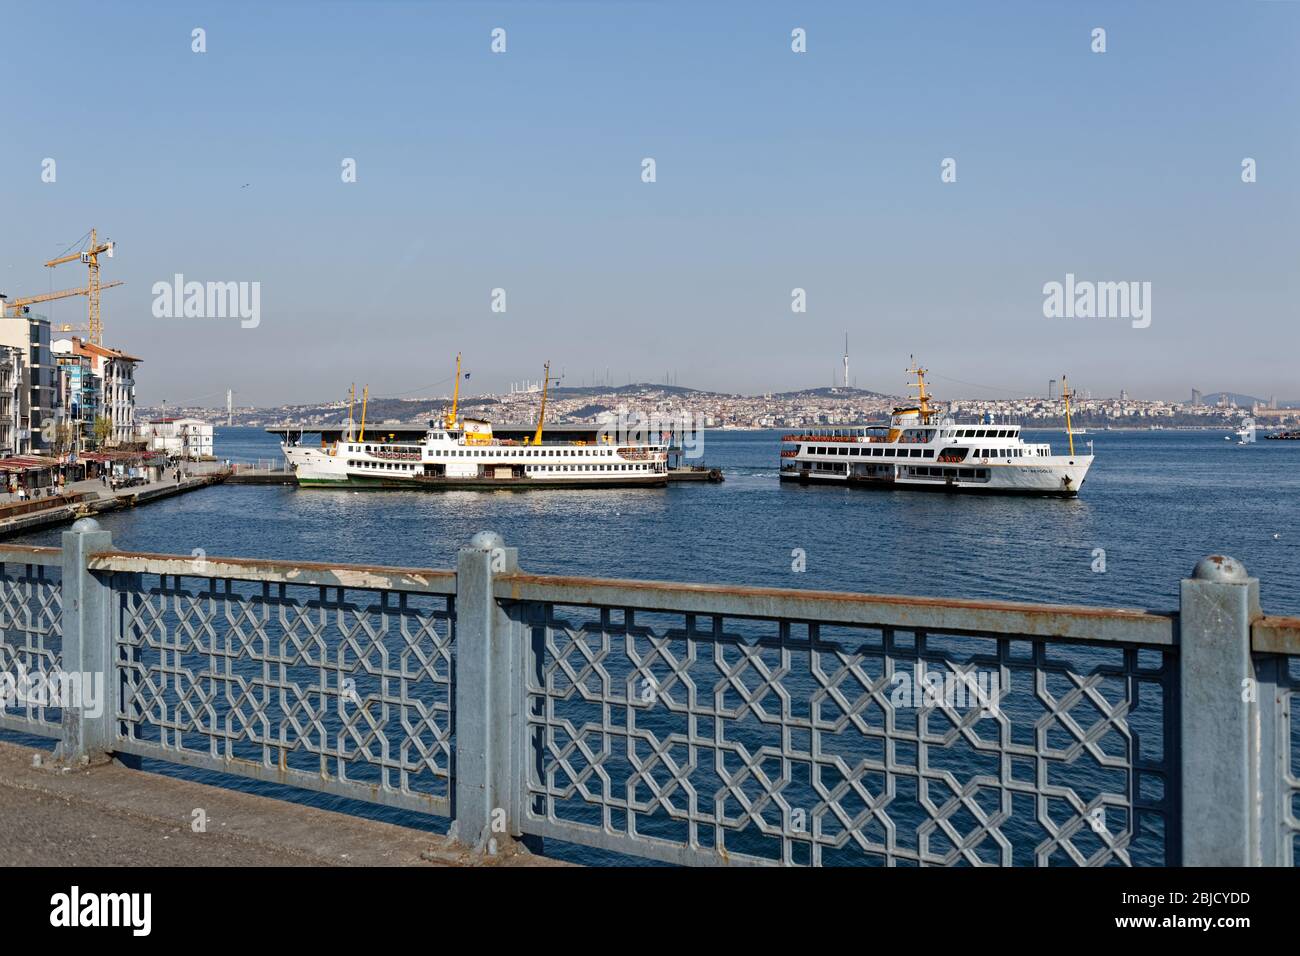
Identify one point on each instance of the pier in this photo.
(683, 723)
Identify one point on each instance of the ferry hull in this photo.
(1059, 478)
(881, 484)
(355, 483)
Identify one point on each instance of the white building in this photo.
(116, 372)
(179, 437)
(11, 404)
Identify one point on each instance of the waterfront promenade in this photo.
(107, 814)
(81, 498)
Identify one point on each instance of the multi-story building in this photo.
(11, 377)
(78, 393)
(189, 438)
(115, 371)
(37, 400)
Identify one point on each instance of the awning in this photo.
(23, 463)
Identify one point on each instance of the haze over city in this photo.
(775, 170)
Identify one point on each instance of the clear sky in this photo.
(775, 170)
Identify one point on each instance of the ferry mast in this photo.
(922, 399)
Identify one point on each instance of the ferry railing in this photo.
(684, 723)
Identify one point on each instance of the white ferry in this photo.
(921, 450)
(462, 453)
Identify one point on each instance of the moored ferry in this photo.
(461, 452)
(920, 449)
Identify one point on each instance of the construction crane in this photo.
(10, 308)
(90, 256)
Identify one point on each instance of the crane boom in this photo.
(16, 304)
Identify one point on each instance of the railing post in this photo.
(87, 663)
(1219, 716)
(486, 653)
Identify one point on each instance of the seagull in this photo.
(245, 186)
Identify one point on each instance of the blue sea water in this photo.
(1155, 502)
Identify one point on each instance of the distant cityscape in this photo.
(811, 407)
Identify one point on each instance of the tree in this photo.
(64, 437)
(103, 430)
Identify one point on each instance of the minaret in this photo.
(846, 360)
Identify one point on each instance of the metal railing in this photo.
(685, 723)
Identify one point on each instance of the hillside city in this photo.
(821, 406)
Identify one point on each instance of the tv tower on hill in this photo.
(846, 360)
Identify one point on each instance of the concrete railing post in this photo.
(1219, 715)
(484, 801)
(87, 663)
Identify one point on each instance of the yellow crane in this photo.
(90, 256)
(14, 307)
(541, 415)
(1069, 431)
(365, 400)
(449, 420)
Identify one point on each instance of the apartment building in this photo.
(115, 371)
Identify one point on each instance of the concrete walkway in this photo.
(44, 513)
(110, 815)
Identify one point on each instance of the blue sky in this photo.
(775, 170)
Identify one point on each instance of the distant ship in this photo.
(462, 453)
(919, 450)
